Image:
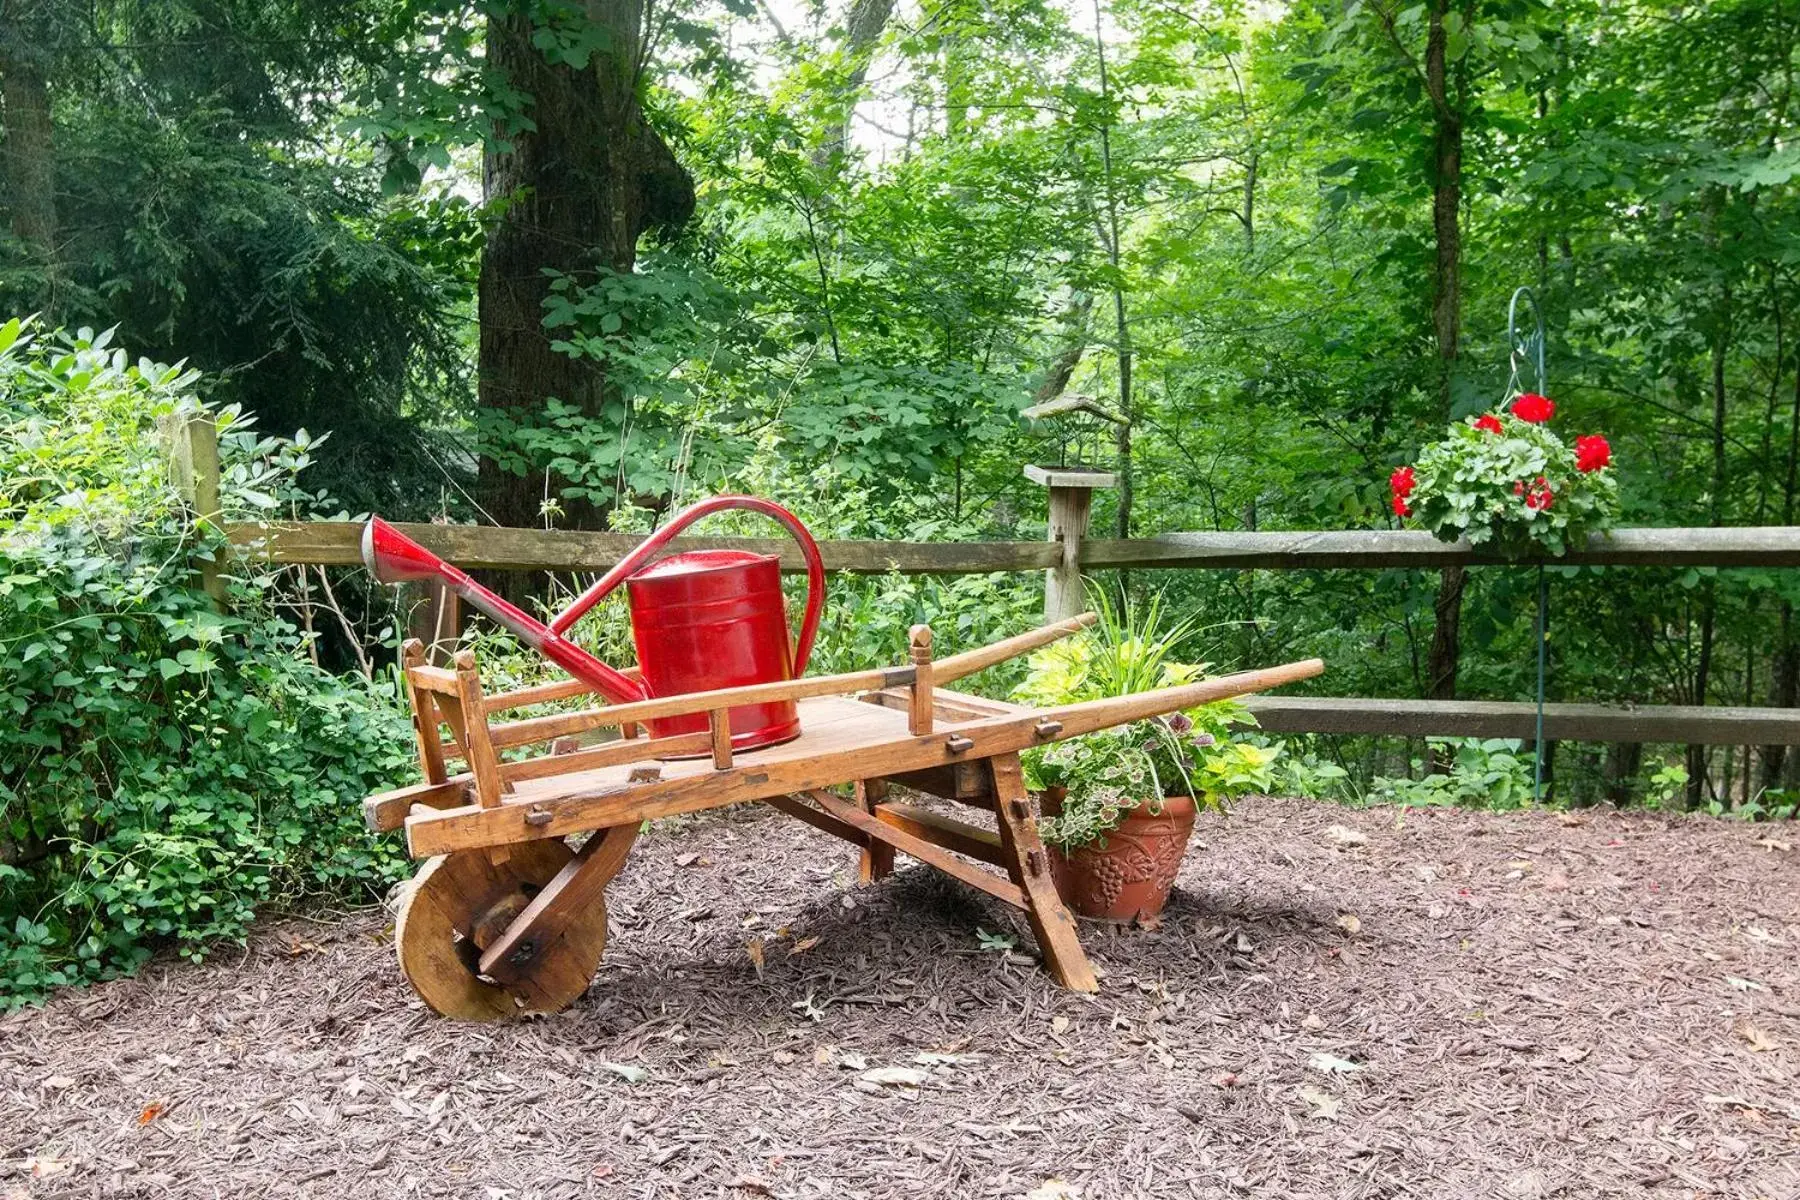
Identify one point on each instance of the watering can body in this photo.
(701, 620)
(714, 619)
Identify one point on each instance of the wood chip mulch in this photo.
(1338, 1003)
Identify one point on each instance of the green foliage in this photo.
(165, 769)
(1484, 773)
(1515, 490)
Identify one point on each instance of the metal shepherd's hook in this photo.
(1530, 347)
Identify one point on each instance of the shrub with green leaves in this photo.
(166, 768)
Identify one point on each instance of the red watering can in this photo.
(702, 620)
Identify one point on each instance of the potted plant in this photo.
(1119, 805)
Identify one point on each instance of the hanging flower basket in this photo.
(1504, 480)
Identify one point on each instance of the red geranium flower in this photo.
(1402, 482)
(1592, 452)
(1400, 507)
(1519, 488)
(1533, 408)
(1489, 423)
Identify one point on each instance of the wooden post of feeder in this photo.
(1071, 501)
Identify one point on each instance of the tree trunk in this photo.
(1075, 330)
(863, 26)
(29, 153)
(1446, 204)
(1446, 318)
(577, 191)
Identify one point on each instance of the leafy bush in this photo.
(1487, 773)
(165, 768)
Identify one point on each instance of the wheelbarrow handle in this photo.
(654, 544)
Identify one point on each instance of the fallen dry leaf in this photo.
(1570, 819)
(895, 1076)
(1331, 1064)
(1349, 923)
(802, 946)
(1343, 835)
(57, 1083)
(1770, 843)
(1325, 1106)
(1573, 1054)
(1313, 1021)
(755, 951)
(1053, 1189)
(152, 1110)
(1059, 1024)
(1759, 1041)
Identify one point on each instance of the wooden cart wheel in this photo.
(459, 903)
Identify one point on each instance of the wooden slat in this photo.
(386, 811)
(800, 810)
(542, 693)
(541, 729)
(1683, 724)
(919, 848)
(435, 679)
(1744, 546)
(610, 754)
(948, 832)
(338, 543)
(956, 666)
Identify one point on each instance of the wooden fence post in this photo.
(1071, 502)
(194, 469)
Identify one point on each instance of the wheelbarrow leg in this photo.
(877, 857)
(1026, 860)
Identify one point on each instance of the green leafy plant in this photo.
(1486, 773)
(166, 768)
(1505, 479)
(1106, 774)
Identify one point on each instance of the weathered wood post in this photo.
(194, 469)
(1071, 503)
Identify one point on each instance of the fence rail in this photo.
(331, 543)
(338, 543)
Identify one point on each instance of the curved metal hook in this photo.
(1529, 345)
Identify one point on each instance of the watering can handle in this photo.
(627, 566)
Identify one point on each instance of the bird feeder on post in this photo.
(1072, 488)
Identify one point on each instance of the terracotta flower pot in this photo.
(1127, 876)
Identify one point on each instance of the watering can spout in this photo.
(392, 557)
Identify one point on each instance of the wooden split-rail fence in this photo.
(1068, 553)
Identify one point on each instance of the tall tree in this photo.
(574, 186)
(26, 49)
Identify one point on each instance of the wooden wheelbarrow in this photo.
(507, 917)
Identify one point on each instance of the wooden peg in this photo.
(956, 743)
(918, 716)
(1045, 730)
(719, 720)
